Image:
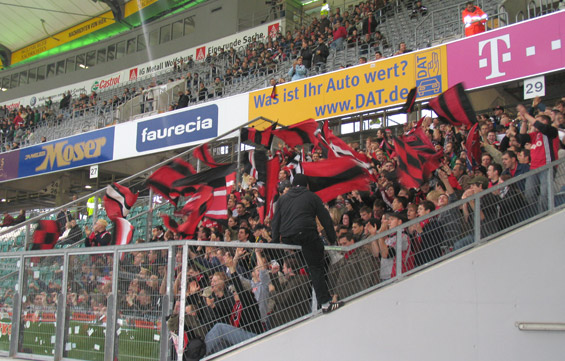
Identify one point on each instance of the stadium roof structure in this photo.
(32, 29)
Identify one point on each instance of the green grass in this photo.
(86, 341)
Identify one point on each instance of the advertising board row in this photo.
(514, 52)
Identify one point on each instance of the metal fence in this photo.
(126, 302)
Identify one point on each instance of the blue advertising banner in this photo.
(177, 128)
(80, 150)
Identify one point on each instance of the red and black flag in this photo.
(202, 153)
(408, 107)
(123, 232)
(337, 147)
(170, 223)
(255, 164)
(264, 138)
(473, 146)
(46, 235)
(410, 168)
(161, 181)
(271, 186)
(213, 177)
(297, 134)
(274, 92)
(118, 201)
(454, 107)
(195, 208)
(422, 145)
(387, 148)
(331, 177)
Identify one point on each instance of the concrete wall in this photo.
(463, 309)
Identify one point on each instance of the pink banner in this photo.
(513, 52)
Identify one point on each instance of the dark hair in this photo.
(403, 201)
(347, 235)
(359, 222)
(497, 167)
(428, 205)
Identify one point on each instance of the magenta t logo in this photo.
(495, 57)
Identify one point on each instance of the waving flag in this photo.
(161, 181)
(118, 201)
(203, 154)
(264, 138)
(46, 235)
(453, 106)
(331, 177)
(123, 232)
(300, 133)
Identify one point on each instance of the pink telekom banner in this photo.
(513, 52)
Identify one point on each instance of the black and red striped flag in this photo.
(264, 138)
(213, 177)
(408, 107)
(271, 187)
(118, 201)
(410, 168)
(123, 232)
(161, 181)
(331, 177)
(473, 146)
(454, 107)
(203, 154)
(425, 149)
(300, 133)
(255, 164)
(46, 235)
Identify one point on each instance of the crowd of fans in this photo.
(354, 28)
(236, 293)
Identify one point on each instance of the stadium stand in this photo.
(231, 280)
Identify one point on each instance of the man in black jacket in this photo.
(294, 222)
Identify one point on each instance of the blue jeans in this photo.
(536, 192)
(223, 335)
(465, 241)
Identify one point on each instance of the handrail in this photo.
(101, 192)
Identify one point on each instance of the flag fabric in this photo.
(202, 153)
(408, 107)
(217, 207)
(264, 138)
(118, 201)
(170, 223)
(332, 177)
(195, 208)
(454, 107)
(300, 133)
(337, 147)
(255, 164)
(473, 146)
(274, 92)
(422, 145)
(214, 177)
(161, 181)
(271, 187)
(410, 168)
(123, 232)
(46, 235)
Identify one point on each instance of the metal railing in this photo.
(124, 301)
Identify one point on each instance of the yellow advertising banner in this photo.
(374, 85)
(77, 31)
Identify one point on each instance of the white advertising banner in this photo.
(198, 53)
